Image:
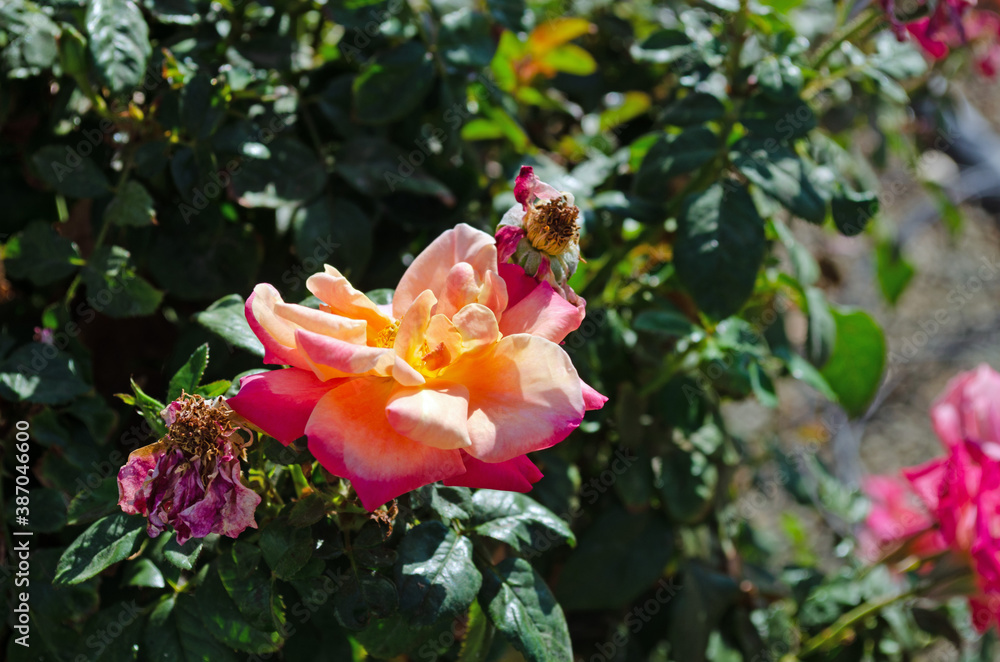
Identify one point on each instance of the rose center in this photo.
(386, 338)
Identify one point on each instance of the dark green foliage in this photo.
(160, 158)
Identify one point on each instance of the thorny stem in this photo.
(302, 486)
(858, 27)
(829, 636)
(103, 233)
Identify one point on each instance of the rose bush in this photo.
(485, 287)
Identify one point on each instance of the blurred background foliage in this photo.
(160, 157)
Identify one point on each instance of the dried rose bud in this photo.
(191, 478)
(541, 233)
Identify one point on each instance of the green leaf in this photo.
(804, 371)
(667, 323)
(308, 510)
(569, 59)
(363, 598)
(621, 555)
(766, 118)
(523, 609)
(41, 374)
(176, 12)
(114, 288)
(31, 39)
(286, 548)
(226, 317)
(251, 587)
(690, 479)
(119, 42)
(39, 254)
(382, 296)
(143, 572)
(701, 600)
(214, 389)
(132, 206)
(106, 542)
(465, 39)
(804, 265)
(150, 409)
(633, 104)
(893, 270)
(854, 370)
(673, 155)
(293, 173)
(335, 232)
(66, 171)
(519, 521)
(435, 575)
(695, 108)
(821, 333)
(852, 211)
(93, 503)
(95, 414)
(202, 110)
(780, 173)
(183, 556)
(96, 643)
(176, 631)
(222, 618)
(720, 247)
(393, 85)
(187, 378)
(219, 258)
(478, 636)
(378, 168)
(778, 78)
(663, 47)
(447, 502)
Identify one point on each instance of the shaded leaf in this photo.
(719, 248)
(394, 84)
(519, 521)
(106, 542)
(435, 575)
(119, 42)
(524, 610)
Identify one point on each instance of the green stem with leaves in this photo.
(103, 232)
(831, 636)
(862, 24)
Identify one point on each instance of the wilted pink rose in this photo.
(191, 479)
(970, 410)
(456, 380)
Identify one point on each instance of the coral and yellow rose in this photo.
(456, 380)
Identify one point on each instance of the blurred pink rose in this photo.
(953, 24)
(897, 517)
(962, 493)
(970, 410)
